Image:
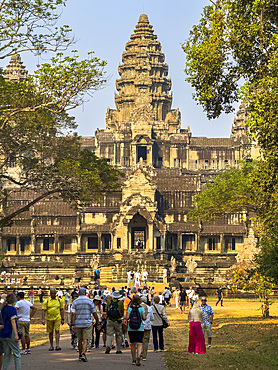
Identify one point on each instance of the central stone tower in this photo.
(143, 101)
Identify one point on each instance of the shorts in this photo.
(24, 326)
(207, 329)
(52, 325)
(136, 336)
(182, 303)
(1, 348)
(84, 333)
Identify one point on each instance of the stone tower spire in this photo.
(240, 127)
(143, 75)
(15, 70)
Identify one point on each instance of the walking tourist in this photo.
(208, 319)
(96, 328)
(165, 275)
(176, 296)
(25, 311)
(157, 324)
(145, 276)
(127, 303)
(73, 333)
(137, 279)
(167, 296)
(129, 278)
(31, 295)
(67, 299)
(103, 328)
(9, 333)
(40, 294)
(132, 277)
(97, 276)
(190, 294)
(196, 337)
(60, 293)
(115, 312)
(147, 326)
(220, 296)
(135, 316)
(53, 310)
(82, 310)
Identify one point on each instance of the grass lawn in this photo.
(242, 339)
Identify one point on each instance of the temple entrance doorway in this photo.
(138, 231)
(141, 153)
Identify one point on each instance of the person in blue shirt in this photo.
(136, 335)
(208, 319)
(9, 334)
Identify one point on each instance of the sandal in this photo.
(51, 348)
(57, 348)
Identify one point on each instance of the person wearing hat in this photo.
(81, 319)
(115, 312)
(96, 329)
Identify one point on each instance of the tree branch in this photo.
(6, 219)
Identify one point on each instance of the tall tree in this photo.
(39, 150)
(232, 54)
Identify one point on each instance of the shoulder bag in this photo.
(164, 322)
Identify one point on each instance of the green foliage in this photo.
(232, 54)
(235, 40)
(231, 192)
(30, 25)
(246, 277)
(39, 151)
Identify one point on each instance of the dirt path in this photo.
(67, 358)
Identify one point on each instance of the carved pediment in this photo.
(144, 113)
(142, 139)
(139, 181)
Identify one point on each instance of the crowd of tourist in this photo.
(123, 318)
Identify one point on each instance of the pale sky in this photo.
(105, 27)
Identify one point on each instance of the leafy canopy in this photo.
(39, 151)
(232, 54)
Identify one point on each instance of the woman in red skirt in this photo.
(196, 336)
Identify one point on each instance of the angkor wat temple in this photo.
(165, 166)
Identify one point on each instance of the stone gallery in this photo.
(144, 225)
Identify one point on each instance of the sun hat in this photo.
(97, 298)
(116, 295)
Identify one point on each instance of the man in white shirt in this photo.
(25, 311)
(190, 293)
(145, 276)
(60, 293)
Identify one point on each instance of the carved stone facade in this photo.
(144, 225)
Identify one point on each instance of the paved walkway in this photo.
(67, 358)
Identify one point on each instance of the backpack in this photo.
(113, 312)
(135, 318)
